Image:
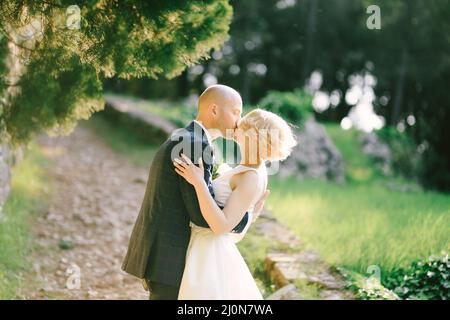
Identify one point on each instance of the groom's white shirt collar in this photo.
(208, 136)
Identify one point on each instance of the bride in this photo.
(214, 267)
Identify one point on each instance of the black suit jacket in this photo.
(160, 237)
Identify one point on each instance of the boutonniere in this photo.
(215, 170)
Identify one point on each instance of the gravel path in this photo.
(82, 239)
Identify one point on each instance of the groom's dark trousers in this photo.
(160, 236)
(161, 291)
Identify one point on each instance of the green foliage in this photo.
(294, 107)
(61, 81)
(424, 279)
(406, 160)
(52, 98)
(65, 245)
(152, 38)
(367, 288)
(359, 167)
(435, 173)
(215, 173)
(28, 198)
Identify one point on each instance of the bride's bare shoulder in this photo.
(247, 178)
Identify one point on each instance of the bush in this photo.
(367, 288)
(424, 279)
(294, 107)
(405, 158)
(435, 173)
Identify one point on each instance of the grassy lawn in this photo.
(358, 167)
(27, 199)
(362, 223)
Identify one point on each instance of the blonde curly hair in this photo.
(273, 135)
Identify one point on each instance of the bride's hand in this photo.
(259, 206)
(189, 171)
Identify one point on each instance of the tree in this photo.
(412, 65)
(54, 72)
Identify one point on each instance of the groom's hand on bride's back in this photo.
(259, 206)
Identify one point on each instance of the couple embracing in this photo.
(183, 244)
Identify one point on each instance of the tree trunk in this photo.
(246, 82)
(183, 84)
(310, 34)
(398, 100)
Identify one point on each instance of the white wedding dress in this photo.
(215, 269)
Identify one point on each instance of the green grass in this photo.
(358, 167)
(27, 199)
(362, 223)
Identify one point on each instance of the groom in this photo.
(160, 237)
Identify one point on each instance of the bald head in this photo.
(220, 95)
(219, 107)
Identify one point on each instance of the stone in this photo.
(269, 228)
(334, 295)
(288, 292)
(92, 293)
(148, 125)
(37, 267)
(315, 156)
(285, 268)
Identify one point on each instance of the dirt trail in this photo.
(84, 235)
